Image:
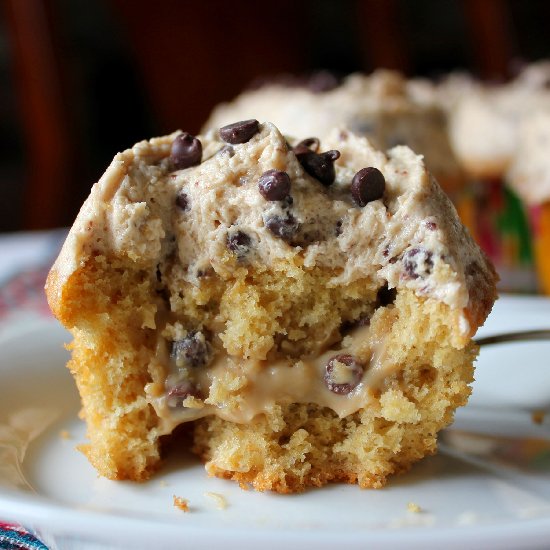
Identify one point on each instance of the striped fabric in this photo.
(15, 537)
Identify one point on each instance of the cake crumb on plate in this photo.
(413, 507)
(221, 502)
(181, 503)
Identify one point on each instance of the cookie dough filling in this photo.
(305, 306)
(344, 379)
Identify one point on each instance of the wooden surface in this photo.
(191, 55)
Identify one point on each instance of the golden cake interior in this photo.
(256, 343)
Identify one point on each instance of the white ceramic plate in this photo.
(489, 487)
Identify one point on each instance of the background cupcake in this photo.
(381, 106)
(484, 127)
(529, 176)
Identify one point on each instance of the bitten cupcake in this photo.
(307, 309)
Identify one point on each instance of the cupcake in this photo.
(484, 124)
(529, 176)
(484, 129)
(307, 310)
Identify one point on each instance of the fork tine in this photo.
(521, 336)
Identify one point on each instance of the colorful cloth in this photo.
(15, 537)
(499, 223)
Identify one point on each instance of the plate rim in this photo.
(70, 520)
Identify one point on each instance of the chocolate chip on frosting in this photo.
(191, 351)
(239, 132)
(227, 150)
(343, 374)
(186, 151)
(274, 185)
(182, 201)
(367, 185)
(432, 226)
(239, 242)
(417, 262)
(284, 228)
(307, 145)
(319, 166)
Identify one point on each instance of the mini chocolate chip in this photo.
(227, 150)
(386, 296)
(344, 377)
(186, 151)
(177, 394)
(319, 166)
(284, 228)
(182, 201)
(180, 390)
(367, 185)
(239, 132)
(191, 351)
(417, 262)
(239, 243)
(307, 145)
(338, 228)
(274, 185)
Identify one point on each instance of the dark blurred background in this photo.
(82, 80)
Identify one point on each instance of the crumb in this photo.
(64, 434)
(181, 503)
(221, 503)
(537, 417)
(163, 483)
(413, 507)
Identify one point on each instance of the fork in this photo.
(520, 336)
